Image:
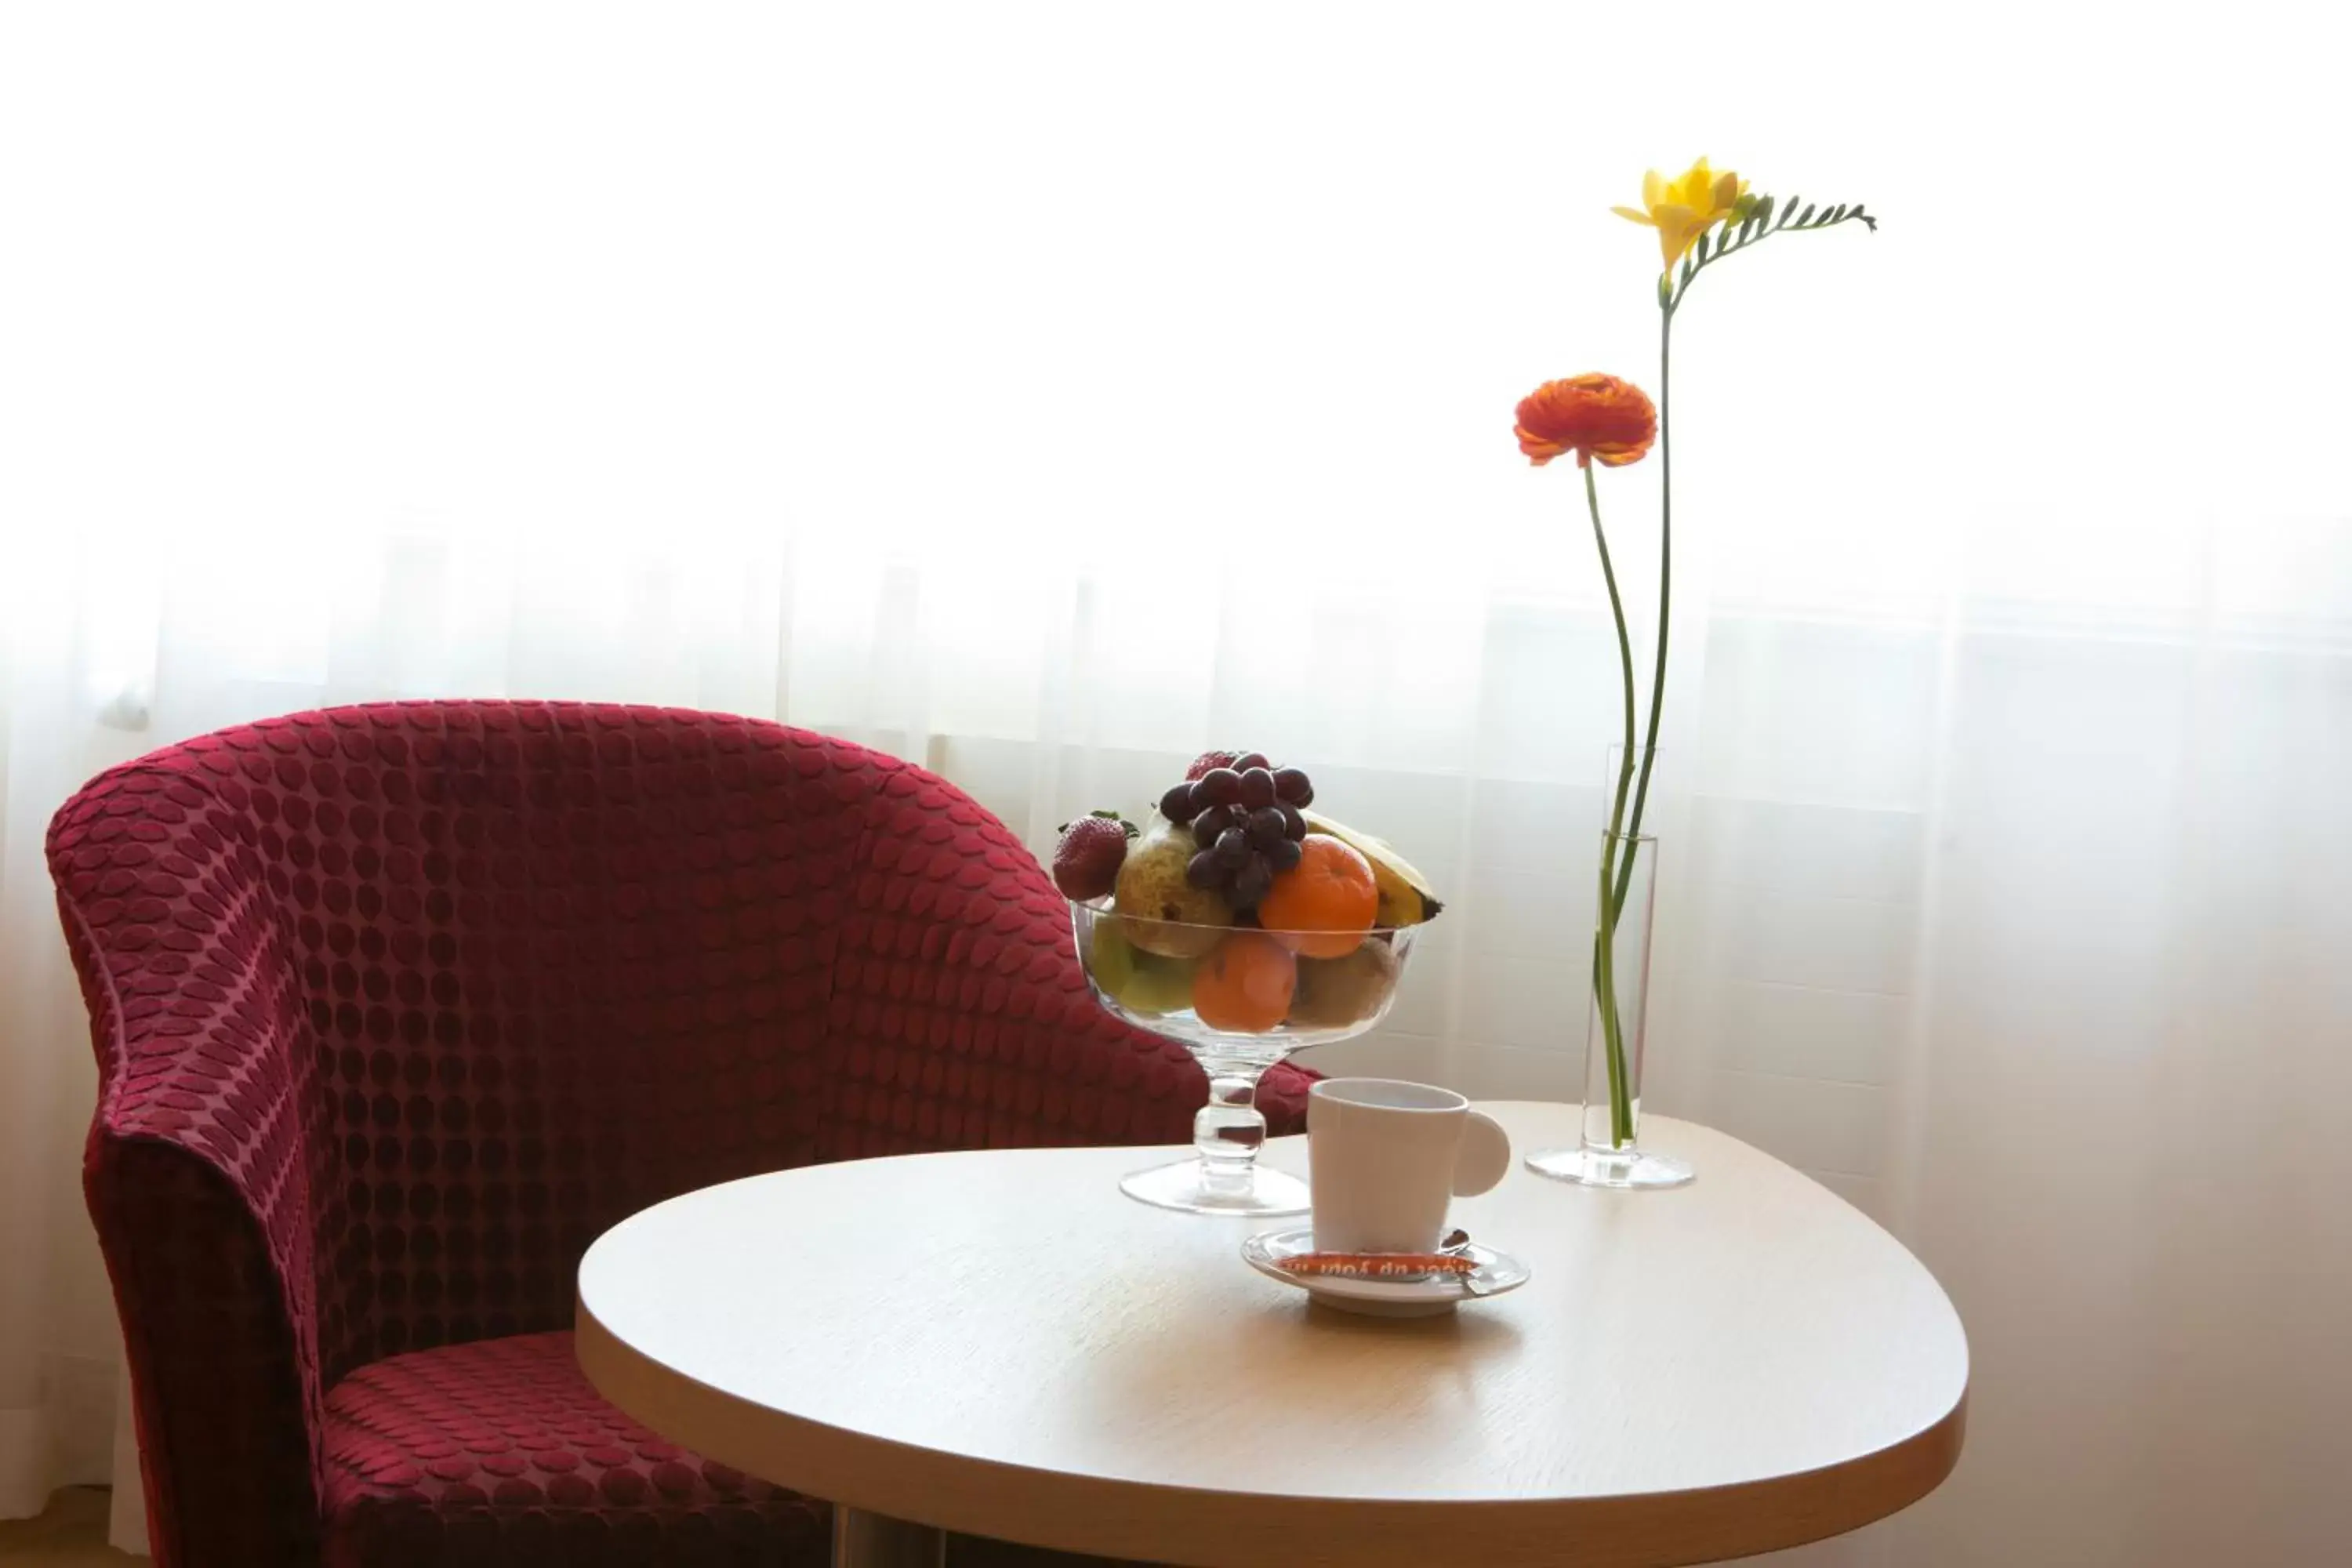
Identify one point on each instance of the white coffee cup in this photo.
(1385, 1158)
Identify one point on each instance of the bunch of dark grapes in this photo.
(1246, 819)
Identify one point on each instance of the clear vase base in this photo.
(1193, 1186)
(1627, 1168)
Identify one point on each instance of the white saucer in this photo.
(1496, 1272)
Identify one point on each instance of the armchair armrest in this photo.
(198, 1166)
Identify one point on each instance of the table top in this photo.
(999, 1342)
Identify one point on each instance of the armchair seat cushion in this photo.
(499, 1453)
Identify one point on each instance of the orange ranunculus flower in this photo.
(1592, 416)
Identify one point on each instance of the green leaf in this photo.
(1699, 250)
(1666, 290)
(1805, 217)
(1789, 213)
(1688, 266)
(1763, 213)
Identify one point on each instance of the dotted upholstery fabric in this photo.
(397, 1007)
(500, 1452)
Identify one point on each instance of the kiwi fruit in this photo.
(1334, 993)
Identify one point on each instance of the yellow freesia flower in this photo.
(1680, 210)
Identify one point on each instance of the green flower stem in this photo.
(1666, 601)
(1612, 1029)
(1604, 938)
(1617, 878)
(1624, 648)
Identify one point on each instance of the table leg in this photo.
(862, 1539)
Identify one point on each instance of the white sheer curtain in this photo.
(1045, 393)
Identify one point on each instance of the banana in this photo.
(1405, 896)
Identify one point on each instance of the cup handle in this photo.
(1484, 1157)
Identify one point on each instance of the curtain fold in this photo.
(1044, 394)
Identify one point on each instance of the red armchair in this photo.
(397, 1007)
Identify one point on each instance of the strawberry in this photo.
(1092, 849)
(1209, 761)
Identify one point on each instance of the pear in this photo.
(1153, 892)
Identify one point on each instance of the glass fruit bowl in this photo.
(1239, 999)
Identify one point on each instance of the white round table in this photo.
(999, 1342)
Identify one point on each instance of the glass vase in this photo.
(1608, 1152)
